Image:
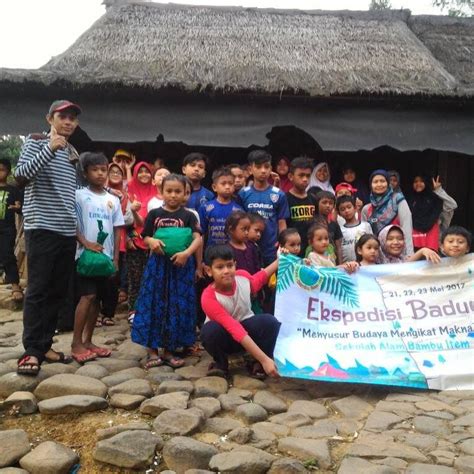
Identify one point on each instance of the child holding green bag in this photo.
(165, 311)
(99, 218)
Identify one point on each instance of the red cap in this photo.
(59, 105)
(346, 186)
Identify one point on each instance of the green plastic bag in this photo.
(95, 264)
(176, 239)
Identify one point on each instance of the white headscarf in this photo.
(324, 185)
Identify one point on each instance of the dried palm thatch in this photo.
(232, 50)
(451, 41)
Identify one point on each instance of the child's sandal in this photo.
(173, 361)
(101, 351)
(153, 362)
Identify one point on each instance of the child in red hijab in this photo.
(140, 191)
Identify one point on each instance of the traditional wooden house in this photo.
(378, 88)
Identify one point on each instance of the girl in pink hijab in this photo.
(140, 191)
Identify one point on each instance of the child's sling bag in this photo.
(96, 264)
(176, 239)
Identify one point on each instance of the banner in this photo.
(409, 324)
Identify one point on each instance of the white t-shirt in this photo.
(350, 235)
(154, 203)
(341, 221)
(91, 208)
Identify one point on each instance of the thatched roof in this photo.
(195, 48)
(451, 41)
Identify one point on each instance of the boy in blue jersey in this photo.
(267, 200)
(214, 214)
(194, 168)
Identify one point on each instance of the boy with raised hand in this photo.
(352, 230)
(194, 168)
(213, 214)
(301, 204)
(267, 200)
(10, 203)
(94, 206)
(231, 326)
(47, 168)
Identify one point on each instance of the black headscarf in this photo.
(425, 207)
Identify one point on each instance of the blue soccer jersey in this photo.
(272, 205)
(199, 197)
(213, 215)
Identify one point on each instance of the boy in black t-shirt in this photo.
(10, 202)
(301, 204)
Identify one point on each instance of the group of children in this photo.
(174, 243)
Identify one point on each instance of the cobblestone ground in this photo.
(110, 415)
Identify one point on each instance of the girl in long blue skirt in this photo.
(165, 314)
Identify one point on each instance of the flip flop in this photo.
(62, 359)
(22, 369)
(84, 357)
(108, 322)
(101, 351)
(173, 361)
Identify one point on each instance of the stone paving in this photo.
(121, 418)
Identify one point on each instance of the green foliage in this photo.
(380, 5)
(461, 8)
(10, 148)
(339, 285)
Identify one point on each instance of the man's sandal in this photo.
(106, 321)
(62, 358)
(26, 366)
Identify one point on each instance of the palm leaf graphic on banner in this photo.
(286, 271)
(332, 281)
(339, 284)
